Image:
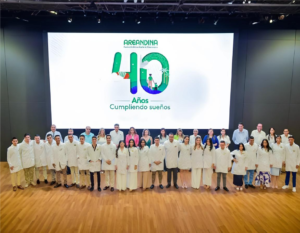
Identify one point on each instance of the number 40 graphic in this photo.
(132, 74)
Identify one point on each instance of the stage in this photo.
(45, 209)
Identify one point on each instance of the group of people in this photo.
(268, 155)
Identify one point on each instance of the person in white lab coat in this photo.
(53, 132)
(197, 163)
(193, 137)
(258, 134)
(240, 166)
(144, 163)
(184, 161)
(209, 162)
(263, 165)
(285, 136)
(71, 132)
(251, 148)
(122, 165)
(94, 158)
(27, 158)
(40, 158)
(15, 164)
(271, 136)
(224, 137)
(48, 151)
(157, 155)
(292, 162)
(108, 154)
(83, 164)
(172, 148)
(133, 165)
(59, 162)
(116, 135)
(223, 164)
(278, 160)
(71, 147)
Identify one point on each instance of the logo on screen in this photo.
(147, 80)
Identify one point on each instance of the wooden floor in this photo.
(45, 209)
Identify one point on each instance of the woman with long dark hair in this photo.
(208, 162)
(144, 163)
(122, 165)
(213, 138)
(278, 159)
(239, 166)
(133, 165)
(271, 136)
(132, 134)
(184, 161)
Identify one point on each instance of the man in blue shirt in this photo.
(240, 135)
(88, 134)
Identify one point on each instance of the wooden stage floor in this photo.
(45, 209)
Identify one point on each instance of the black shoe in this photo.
(106, 187)
(226, 189)
(168, 186)
(52, 183)
(217, 188)
(92, 189)
(38, 181)
(66, 186)
(252, 186)
(99, 189)
(161, 186)
(46, 181)
(176, 186)
(152, 186)
(246, 186)
(57, 185)
(112, 189)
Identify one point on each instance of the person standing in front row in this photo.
(133, 166)
(184, 161)
(53, 132)
(223, 165)
(94, 158)
(278, 160)
(108, 154)
(240, 166)
(144, 163)
(83, 164)
(59, 162)
(71, 148)
(258, 134)
(116, 135)
(49, 150)
(163, 137)
(197, 163)
(88, 135)
(292, 162)
(251, 149)
(240, 135)
(27, 158)
(15, 165)
(40, 158)
(122, 165)
(209, 161)
(157, 154)
(213, 138)
(172, 148)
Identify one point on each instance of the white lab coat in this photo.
(172, 149)
(239, 168)
(133, 158)
(226, 139)
(48, 152)
(122, 161)
(144, 159)
(223, 160)
(94, 158)
(197, 158)
(284, 139)
(82, 155)
(116, 137)
(184, 160)
(27, 154)
(264, 160)
(278, 155)
(71, 152)
(54, 134)
(292, 157)
(39, 154)
(59, 157)
(271, 140)
(209, 157)
(192, 140)
(14, 159)
(108, 152)
(252, 154)
(75, 138)
(157, 153)
(258, 136)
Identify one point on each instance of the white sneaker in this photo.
(285, 187)
(294, 189)
(241, 189)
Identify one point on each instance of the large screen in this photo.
(140, 80)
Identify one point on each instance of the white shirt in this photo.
(209, 157)
(157, 153)
(271, 140)
(240, 167)
(258, 136)
(27, 154)
(284, 139)
(54, 134)
(226, 139)
(14, 159)
(172, 149)
(75, 138)
(82, 155)
(39, 154)
(264, 160)
(292, 157)
(144, 159)
(197, 158)
(116, 137)
(184, 160)
(59, 157)
(278, 155)
(108, 152)
(163, 140)
(94, 157)
(101, 141)
(71, 152)
(133, 159)
(193, 138)
(252, 155)
(122, 161)
(223, 160)
(49, 151)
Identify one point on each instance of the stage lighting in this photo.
(70, 20)
(99, 20)
(135, 1)
(281, 17)
(142, 1)
(138, 21)
(271, 21)
(255, 23)
(123, 21)
(244, 1)
(125, 1)
(53, 12)
(216, 22)
(249, 2)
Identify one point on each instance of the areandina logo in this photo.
(147, 81)
(141, 42)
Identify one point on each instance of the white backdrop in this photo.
(84, 89)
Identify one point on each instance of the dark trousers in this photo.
(287, 178)
(175, 171)
(92, 178)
